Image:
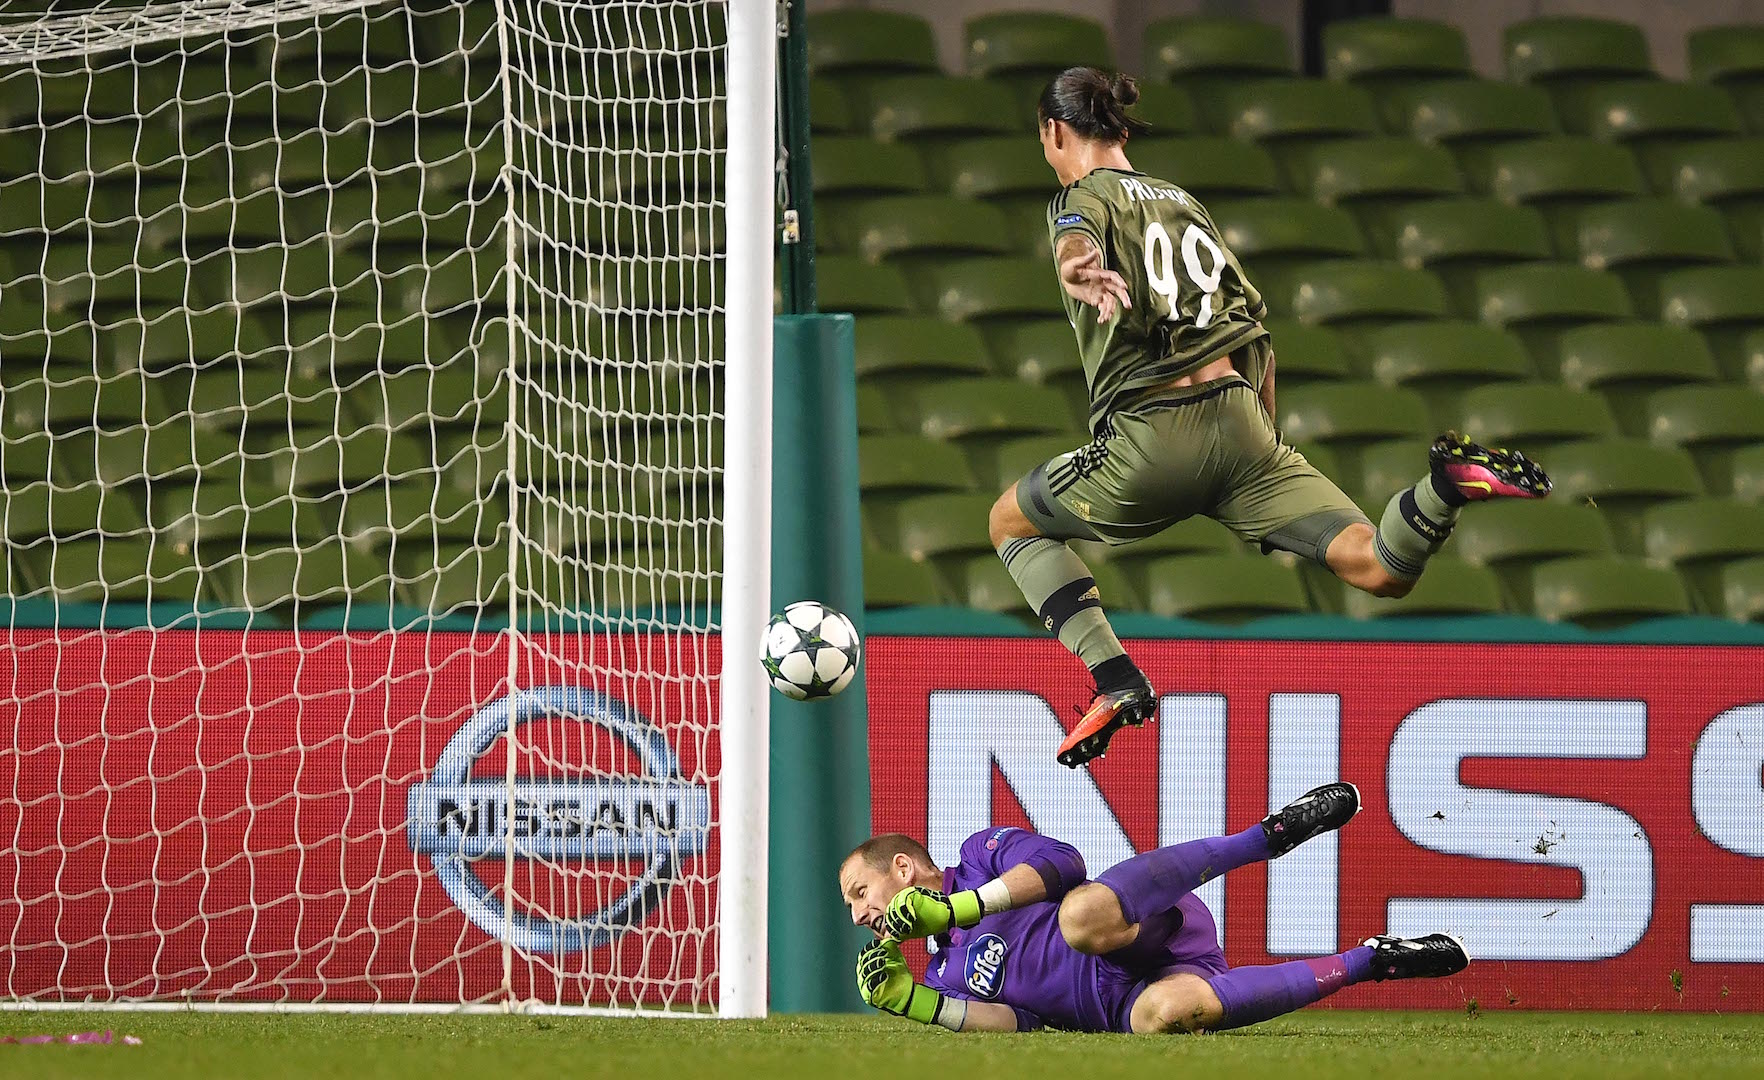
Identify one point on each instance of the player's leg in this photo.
(1418, 520)
(1106, 915)
(1057, 583)
(1249, 995)
(1113, 491)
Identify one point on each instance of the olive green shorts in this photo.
(1206, 449)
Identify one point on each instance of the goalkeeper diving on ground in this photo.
(1181, 378)
(1019, 940)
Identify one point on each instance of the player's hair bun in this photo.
(1093, 102)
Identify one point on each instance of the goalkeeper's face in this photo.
(867, 889)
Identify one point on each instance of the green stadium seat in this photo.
(1305, 353)
(1293, 112)
(1450, 587)
(463, 578)
(1532, 416)
(1603, 591)
(179, 339)
(890, 466)
(1713, 422)
(83, 152)
(1167, 110)
(309, 274)
(1034, 46)
(1379, 48)
(1727, 174)
(414, 515)
(352, 459)
(220, 515)
(899, 345)
(981, 289)
(1378, 170)
(830, 112)
(161, 453)
(875, 416)
(69, 400)
(853, 165)
(893, 580)
(1188, 47)
(1538, 301)
(1622, 477)
(1560, 176)
(1209, 167)
(260, 401)
(1628, 361)
(1223, 588)
(982, 410)
(1009, 173)
(1350, 413)
(1467, 233)
(1721, 302)
(916, 108)
(924, 225)
(1742, 590)
(1469, 115)
(1696, 536)
(1748, 473)
(1011, 460)
(272, 577)
(850, 283)
(85, 510)
(1040, 351)
(106, 570)
(1443, 358)
(1643, 112)
(1268, 235)
(847, 40)
(1458, 238)
(941, 525)
(1642, 238)
(1556, 48)
(1720, 54)
(1363, 293)
(992, 166)
(111, 279)
(1510, 536)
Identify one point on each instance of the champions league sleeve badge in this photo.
(650, 822)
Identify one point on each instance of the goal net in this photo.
(361, 373)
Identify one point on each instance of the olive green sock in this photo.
(1061, 591)
(1415, 524)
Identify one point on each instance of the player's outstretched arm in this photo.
(1086, 279)
(885, 983)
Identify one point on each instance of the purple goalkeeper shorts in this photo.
(1179, 941)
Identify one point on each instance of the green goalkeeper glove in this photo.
(885, 983)
(917, 912)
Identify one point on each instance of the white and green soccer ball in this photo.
(811, 651)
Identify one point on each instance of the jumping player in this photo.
(1181, 376)
(1020, 940)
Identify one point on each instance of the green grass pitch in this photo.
(1314, 1044)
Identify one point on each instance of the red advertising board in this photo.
(325, 817)
(1590, 819)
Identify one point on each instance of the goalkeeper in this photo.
(1020, 940)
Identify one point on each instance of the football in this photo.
(811, 651)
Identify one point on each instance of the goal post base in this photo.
(820, 797)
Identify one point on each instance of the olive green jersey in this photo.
(1191, 301)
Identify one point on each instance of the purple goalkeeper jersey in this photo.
(1019, 958)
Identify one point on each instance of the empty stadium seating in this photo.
(1567, 259)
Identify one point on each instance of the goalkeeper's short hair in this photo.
(879, 851)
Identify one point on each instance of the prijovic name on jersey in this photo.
(1191, 301)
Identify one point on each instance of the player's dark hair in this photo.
(1094, 102)
(878, 852)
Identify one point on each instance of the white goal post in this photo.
(385, 469)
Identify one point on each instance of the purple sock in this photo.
(1154, 881)
(1253, 994)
